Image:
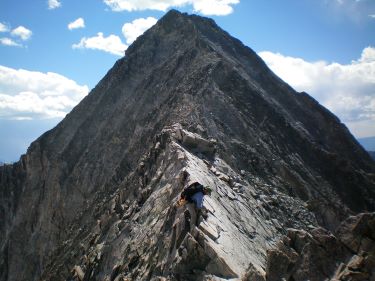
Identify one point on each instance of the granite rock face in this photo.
(320, 255)
(94, 198)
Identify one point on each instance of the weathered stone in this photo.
(357, 228)
(254, 274)
(321, 254)
(197, 143)
(356, 263)
(224, 177)
(78, 273)
(347, 275)
(219, 267)
(209, 230)
(278, 265)
(196, 259)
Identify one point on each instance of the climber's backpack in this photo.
(189, 191)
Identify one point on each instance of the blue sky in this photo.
(52, 52)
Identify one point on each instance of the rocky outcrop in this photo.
(319, 255)
(93, 199)
(142, 233)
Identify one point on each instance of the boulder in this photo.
(319, 255)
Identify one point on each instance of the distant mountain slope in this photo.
(368, 143)
(19, 135)
(94, 198)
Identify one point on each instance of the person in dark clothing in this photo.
(195, 193)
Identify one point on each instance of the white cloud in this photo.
(136, 5)
(372, 16)
(355, 10)
(206, 7)
(34, 95)
(214, 7)
(22, 32)
(78, 23)
(111, 44)
(367, 56)
(53, 4)
(136, 28)
(348, 90)
(9, 42)
(3, 27)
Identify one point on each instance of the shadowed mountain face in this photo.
(188, 102)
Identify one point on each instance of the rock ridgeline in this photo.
(94, 198)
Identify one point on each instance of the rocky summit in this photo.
(95, 197)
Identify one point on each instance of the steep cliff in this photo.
(93, 199)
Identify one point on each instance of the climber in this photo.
(194, 193)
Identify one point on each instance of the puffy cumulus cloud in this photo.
(348, 90)
(9, 42)
(53, 4)
(34, 95)
(3, 27)
(111, 44)
(136, 28)
(206, 7)
(78, 23)
(22, 32)
(136, 5)
(368, 55)
(214, 7)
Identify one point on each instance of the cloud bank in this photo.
(348, 90)
(35, 95)
(78, 23)
(113, 43)
(205, 7)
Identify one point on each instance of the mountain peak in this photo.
(178, 34)
(173, 14)
(183, 25)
